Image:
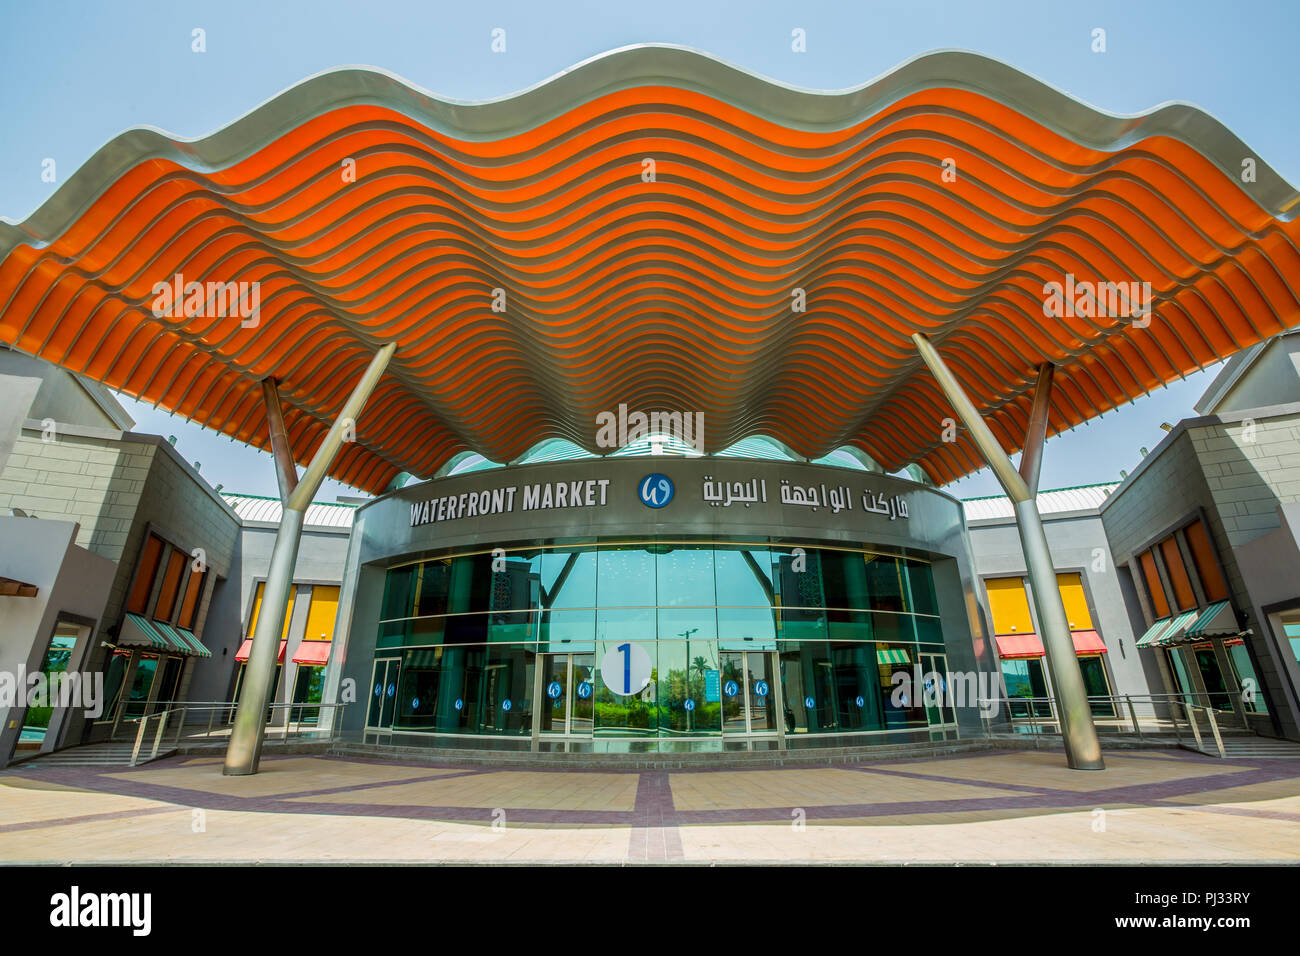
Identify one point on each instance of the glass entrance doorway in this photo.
(937, 699)
(749, 693)
(567, 695)
(383, 694)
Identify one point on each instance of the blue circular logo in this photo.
(379, 689)
(655, 490)
(392, 689)
(554, 690)
(730, 688)
(459, 703)
(858, 700)
(505, 704)
(688, 704)
(808, 702)
(761, 688)
(415, 702)
(584, 689)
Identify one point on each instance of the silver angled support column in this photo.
(1082, 749)
(286, 473)
(245, 749)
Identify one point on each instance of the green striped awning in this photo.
(1153, 632)
(1172, 631)
(145, 634)
(1217, 620)
(159, 636)
(186, 639)
(892, 655)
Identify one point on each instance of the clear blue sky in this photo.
(74, 74)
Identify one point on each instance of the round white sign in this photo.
(625, 669)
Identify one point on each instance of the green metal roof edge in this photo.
(1047, 491)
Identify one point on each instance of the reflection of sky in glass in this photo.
(743, 626)
(687, 623)
(626, 578)
(685, 577)
(632, 624)
(741, 582)
(578, 588)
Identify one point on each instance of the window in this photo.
(308, 686)
(1184, 597)
(1155, 590)
(1244, 671)
(1207, 568)
(924, 600)
(746, 597)
(145, 571)
(171, 585)
(625, 577)
(36, 720)
(1096, 684)
(1009, 606)
(190, 602)
(684, 577)
(1024, 678)
(1075, 601)
(138, 696)
(1179, 572)
(885, 584)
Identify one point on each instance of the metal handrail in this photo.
(280, 715)
(162, 717)
(1175, 701)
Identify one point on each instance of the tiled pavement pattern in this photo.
(1008, 806)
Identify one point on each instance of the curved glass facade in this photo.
(751, 639)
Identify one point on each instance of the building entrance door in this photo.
(567, 695)
(750, 694)
(383, 694)
(936, 697)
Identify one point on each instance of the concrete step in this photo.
(94, 755)
(1251, 748)
(654, 761)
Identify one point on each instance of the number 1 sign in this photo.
(625, 669)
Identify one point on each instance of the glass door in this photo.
(1093, 669)
(1175, 657)
(938, 702)
(308, 686)
(383, 694)
(568, 701)
(1216, 688)
(748, 693)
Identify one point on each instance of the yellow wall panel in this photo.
(1076, 604)
(320, 615)
(1009, 606)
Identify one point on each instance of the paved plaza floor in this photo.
(991, 807)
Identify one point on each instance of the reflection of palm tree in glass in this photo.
(697, 682)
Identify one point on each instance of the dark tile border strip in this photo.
(655, 821)
(655, 836)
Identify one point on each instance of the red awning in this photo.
(1011, 646)
(1019, 645)
(1088, 642)
(315, 653)
(246, 647)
